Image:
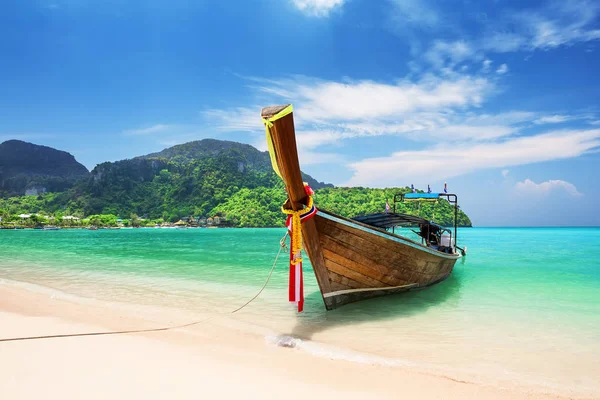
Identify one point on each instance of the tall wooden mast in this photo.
(286, 157)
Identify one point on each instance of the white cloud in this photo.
(444, 162)
(486, 65)
(506, 118)
(505, 173)
(503, 42)
(233, 119)
(541, 189)
(327, 112)
(426, 109)
(326, 100)
(448, 53)
(158, 128)
(317, 8)
(502, 69)
(552, 119)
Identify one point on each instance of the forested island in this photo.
(189, 182)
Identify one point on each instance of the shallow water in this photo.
(523, 306)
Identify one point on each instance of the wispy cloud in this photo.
(443, 53)
(486, 65)
(557, 24)
(560, 24)
(170, 134)
(417, 13)
(328, 111)
(445, 162)
(505, 173)
(552, 119)
(554, 25)
(369, 100)
(158, 128)
(176, 139)
(502, 69)
(317, 8)
(233, 119)
(529, 187)
(425, 109)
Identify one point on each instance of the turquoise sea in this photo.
(523, 306)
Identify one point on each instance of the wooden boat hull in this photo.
(363, 262)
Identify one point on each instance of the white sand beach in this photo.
(213, 359)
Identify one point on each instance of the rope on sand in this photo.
(167, 328)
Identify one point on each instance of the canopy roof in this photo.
(390, 220)
(421, 196)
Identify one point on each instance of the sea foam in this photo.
(332, 352)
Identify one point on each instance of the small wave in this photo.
(335, 353)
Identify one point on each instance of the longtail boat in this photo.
(357, 259)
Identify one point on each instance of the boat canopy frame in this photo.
(450, 197)
(387, 220)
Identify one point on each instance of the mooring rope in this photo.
(167, 328)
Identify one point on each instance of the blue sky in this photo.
(499, 99)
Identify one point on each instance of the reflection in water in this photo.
(397, 306)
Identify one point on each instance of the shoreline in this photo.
(206, 353)
(20, 227)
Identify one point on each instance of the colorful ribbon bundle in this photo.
(294, 224)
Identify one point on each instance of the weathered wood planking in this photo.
(357, 261)
(352, 273)
(333, 251)
(378, 266)
(341, 282)
(382, 251)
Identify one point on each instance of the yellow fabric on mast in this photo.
(269, 123)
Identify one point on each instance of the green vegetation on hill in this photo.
(254, 207)
(204, 178)
(351, 202)
(262, 206)
(168, 189)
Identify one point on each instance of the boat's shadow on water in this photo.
(397, 306)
